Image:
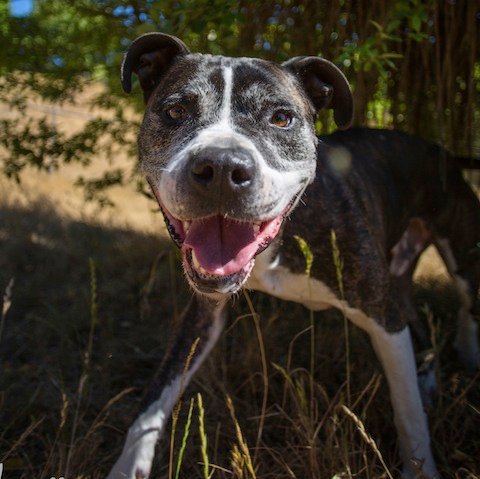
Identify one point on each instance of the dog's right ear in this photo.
(148, 57)
(325, 85)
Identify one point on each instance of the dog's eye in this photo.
(176, 112)
(281, 119)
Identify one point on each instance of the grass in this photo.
(83, 329)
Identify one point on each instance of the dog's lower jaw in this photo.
(216, 287)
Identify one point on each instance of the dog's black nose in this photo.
(218, 170)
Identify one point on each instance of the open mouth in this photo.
(218, 252)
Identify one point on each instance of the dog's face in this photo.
(228, 146)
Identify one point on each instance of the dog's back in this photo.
(410, 178)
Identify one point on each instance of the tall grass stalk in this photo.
(203, 437)
(176, 409)
(308, 255)
(21, 439)
(93, 313)
(338, 263)
(7, 302)
(366, 437)
(63, 419)
(263, 358)
(241, 452)
(186, 433)
(175, 414)
(86, 361)
(149, 285)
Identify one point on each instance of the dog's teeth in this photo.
(195, 262)
(256, 227)
(186, 225)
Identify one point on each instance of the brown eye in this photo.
(281, 119)
(176, 112)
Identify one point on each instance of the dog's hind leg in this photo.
(404, 258)
(403, 261)
(464, 268)
(395, 352)
(195, 335)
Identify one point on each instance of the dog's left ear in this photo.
(325, 85)
(149, 56)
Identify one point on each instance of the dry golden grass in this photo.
(131, 209)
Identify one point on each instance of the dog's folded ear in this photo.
(325, 85)
(148, 57)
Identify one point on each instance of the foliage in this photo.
(410, 61)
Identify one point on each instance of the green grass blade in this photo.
(186, 433)
(203, 436)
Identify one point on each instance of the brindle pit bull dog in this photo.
(229, 148)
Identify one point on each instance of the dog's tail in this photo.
(467, 163)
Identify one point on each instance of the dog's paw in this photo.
(129, 471)
(136, 459)
(139, 474)
(418, 469)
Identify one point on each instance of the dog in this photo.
(228, 146)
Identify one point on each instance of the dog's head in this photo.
(228, 146)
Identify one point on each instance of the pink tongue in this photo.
(221, 246)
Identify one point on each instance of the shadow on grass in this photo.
(46, 330)
(52, 420)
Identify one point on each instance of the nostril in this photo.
(203, 173)
(240, 176)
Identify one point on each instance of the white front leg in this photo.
(136, 459)
(202, 321)
(395, 352)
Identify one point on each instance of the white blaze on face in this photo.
(227, 96)
(220, 133)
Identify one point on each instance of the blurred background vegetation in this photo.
(413, 65)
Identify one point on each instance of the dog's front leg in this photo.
(197, 331)
(395, 352)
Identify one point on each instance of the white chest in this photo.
(270, 277)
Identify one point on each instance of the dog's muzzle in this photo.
(219, 239)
